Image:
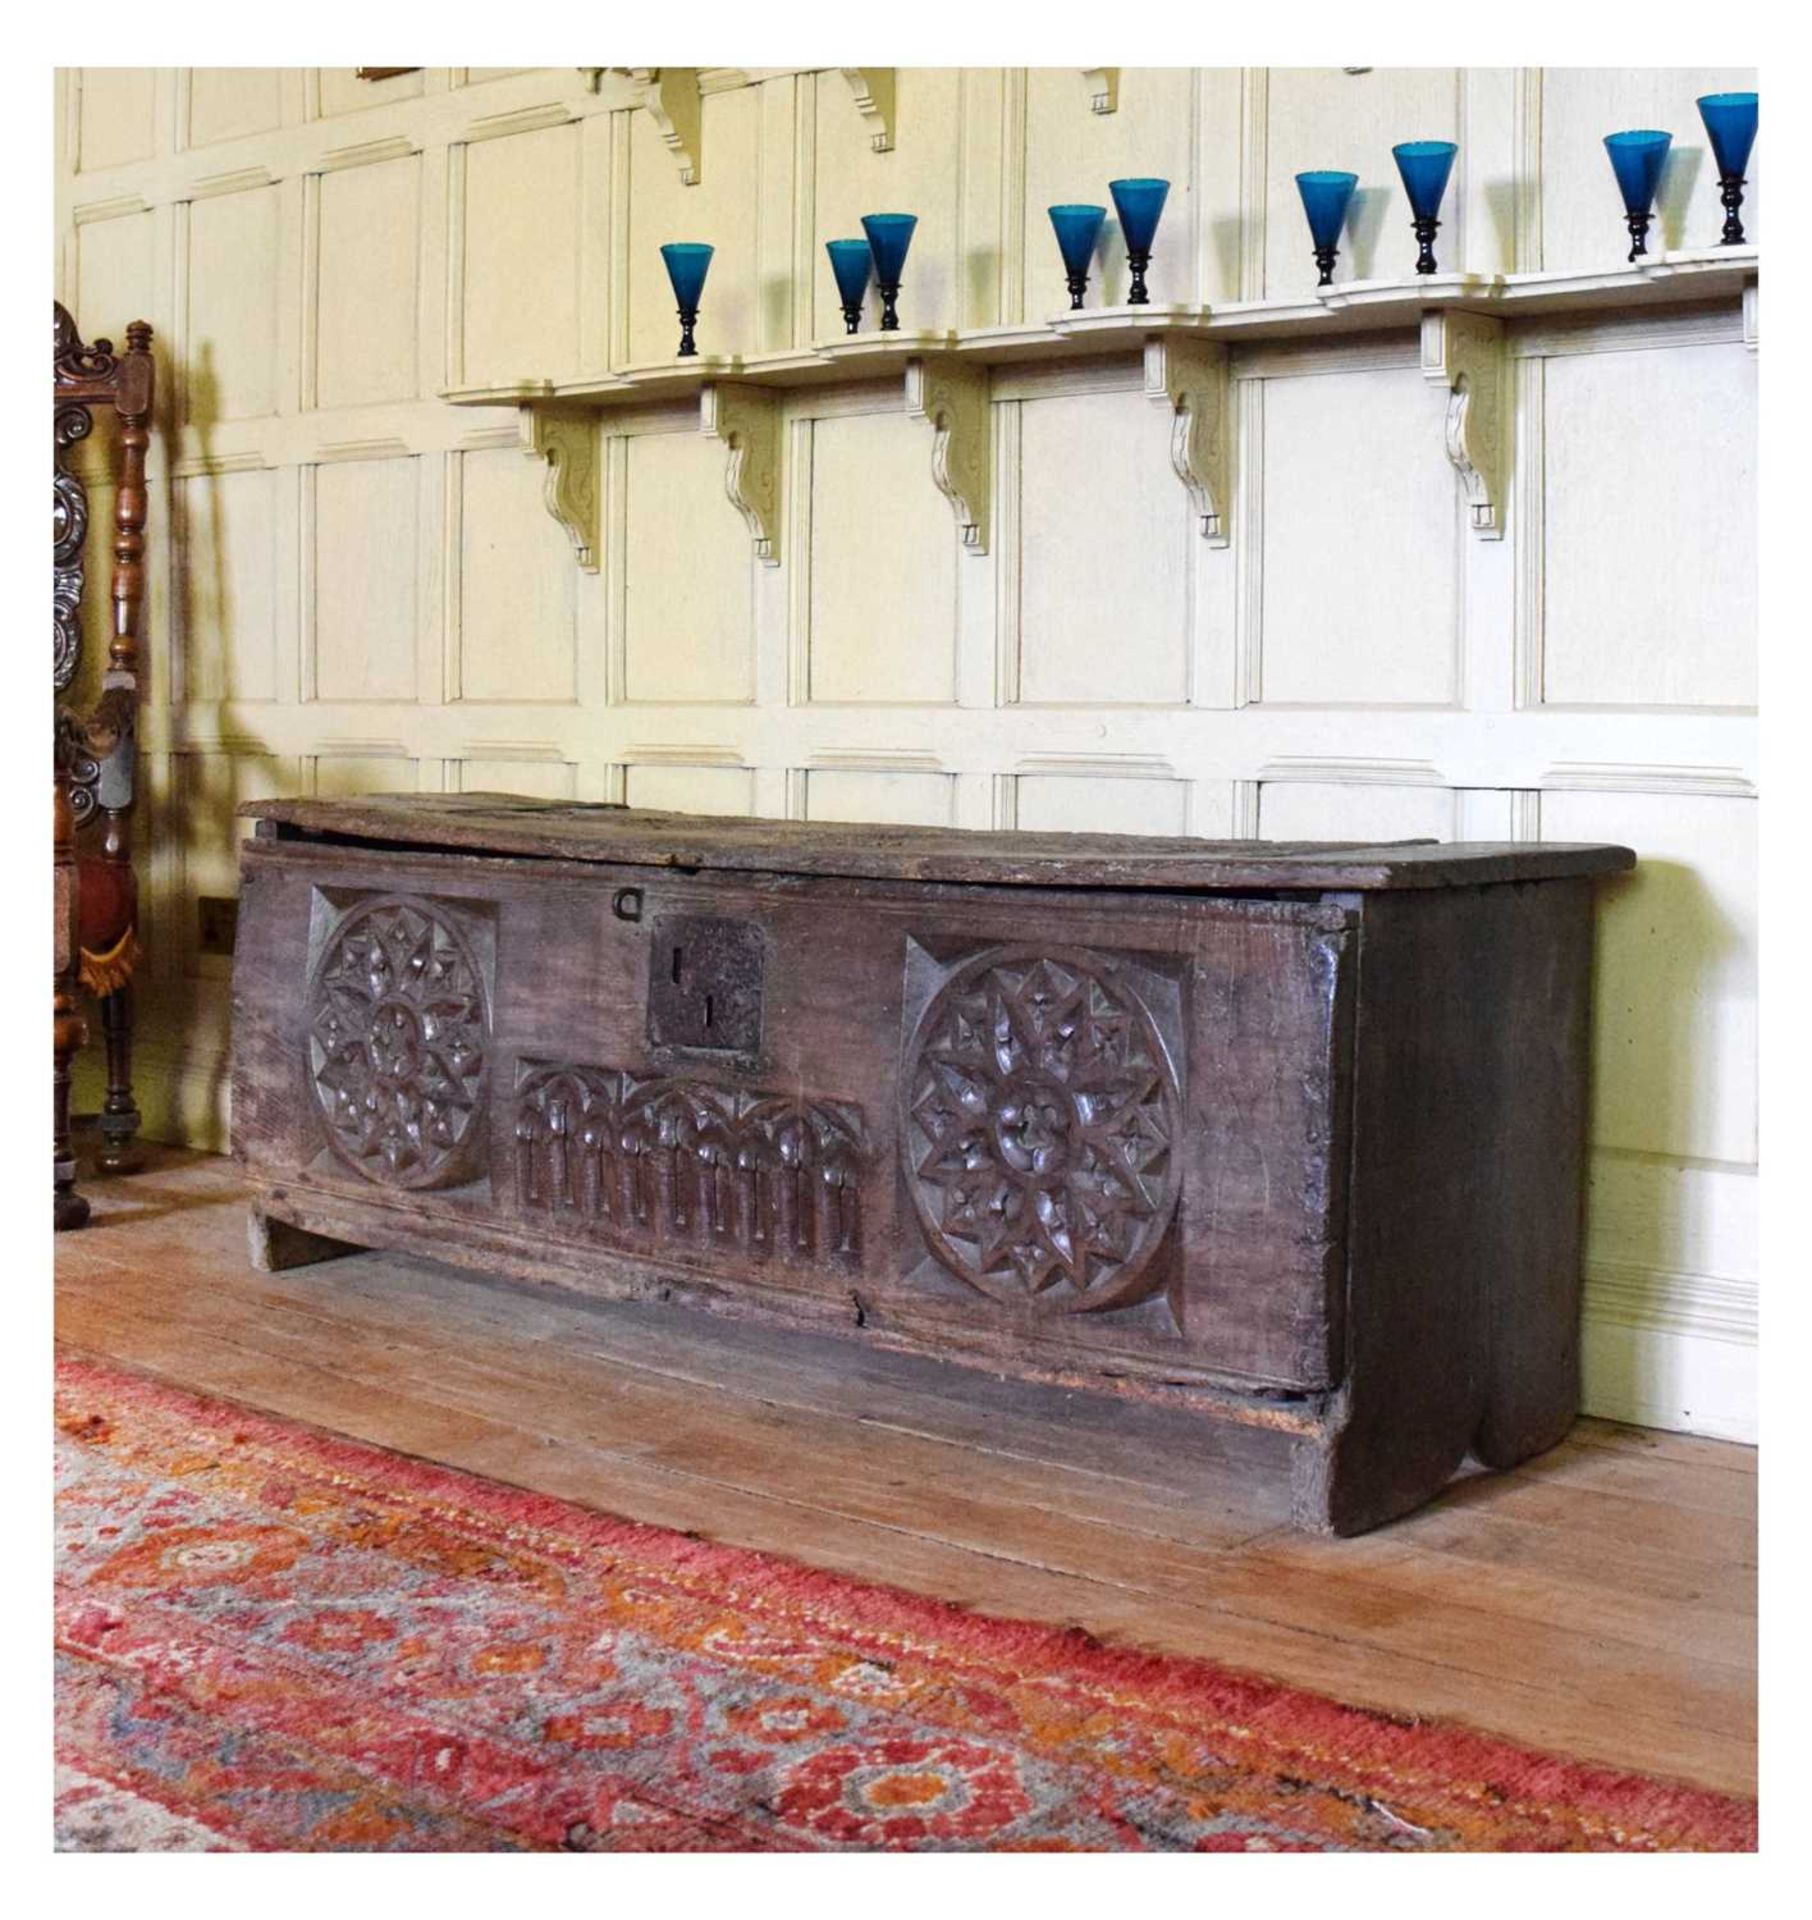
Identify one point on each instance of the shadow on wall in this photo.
(204, 667)
(1663, 939)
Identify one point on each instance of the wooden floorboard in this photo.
(1600, 1600)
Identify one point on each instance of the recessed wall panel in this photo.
(517, 584)
(116, 278)
(230, 360)
(366, 562)
(687, 613)
(1649, 528)
(342, 91)
(522, 256)
(1353, 810)
(883, 565)
(1105, 553)
(227, 595)
(1101, 803)
(539, 779)
(117, 109)
(366, 320)
(227, 103)
(1675, 1018)
(672, 789)
(1361, 542)
(910, 799)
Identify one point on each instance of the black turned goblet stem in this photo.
(1136, 264)
(1425, 233)
(688, 319)
(1324, 259)
(1731, 194)
(890, 293)
(852, 316)
(1078, 283)
(1638, 224)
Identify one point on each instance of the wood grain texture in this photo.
(1600, 1600)
(502, 824)
(1310, 1161)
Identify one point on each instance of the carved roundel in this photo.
(1041, 1129)
(397, 1031)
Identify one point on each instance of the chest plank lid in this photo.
(562, 830)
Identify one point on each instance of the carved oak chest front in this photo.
(1292, 1134)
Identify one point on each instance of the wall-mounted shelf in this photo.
(1460, 318)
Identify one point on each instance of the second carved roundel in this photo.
(1041, 1129)
(397, 1037)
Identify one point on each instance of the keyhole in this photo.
(708, 1005)
(678, 957)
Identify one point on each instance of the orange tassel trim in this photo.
(105, 973)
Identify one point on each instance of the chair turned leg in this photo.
(71, 1210)
(120, 1122)
(68, 1032)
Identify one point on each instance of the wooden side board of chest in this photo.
(1290, 1134)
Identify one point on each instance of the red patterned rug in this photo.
(268, 1638)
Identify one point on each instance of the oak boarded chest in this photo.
(1290, 1134)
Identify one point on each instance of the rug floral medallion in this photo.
(269, 1638)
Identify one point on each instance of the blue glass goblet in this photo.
(889, 235)
(1138, 203)
(1325, 197)
(1730, 126)
(1637, 158)
(1425, 166)
(851, 261)
(688, 262)
(1077, 230)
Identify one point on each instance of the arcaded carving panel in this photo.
(682, 1161)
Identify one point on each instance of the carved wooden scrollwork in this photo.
(70, 525)
(1190, 377)
(1464, 352)
(398, 1031)
(567, 439)
(873, 90)
(954, 401)
(747, 420)
(1039, 1129)
(674, 1158)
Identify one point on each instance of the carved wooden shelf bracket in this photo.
(952, 399)
(1190, 377)
(873, 88)
(1465, 353)
(567, 439)
(747, 420)
(1103, 85)
(671, 96)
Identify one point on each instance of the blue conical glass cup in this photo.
(1139, 204)
(852, 261)
(889, 235)
(1325, 198)
(688, 261)
(1425, 166)
(1077, 230)
(1730, 121)
(1637, 159)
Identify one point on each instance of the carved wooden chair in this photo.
(96, 890)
